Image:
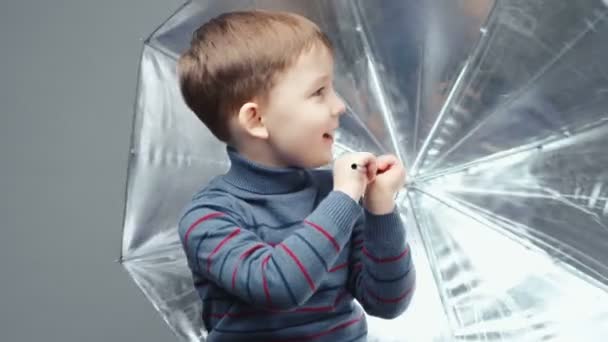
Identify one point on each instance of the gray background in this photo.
(68, 72)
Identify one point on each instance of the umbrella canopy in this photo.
(499, 110)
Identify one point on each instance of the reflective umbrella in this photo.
(499, 110)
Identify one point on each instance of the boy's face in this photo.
(303, 111)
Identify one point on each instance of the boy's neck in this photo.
(259, 153)
(252, 176)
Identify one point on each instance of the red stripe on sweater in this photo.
(221, 244)
(327, 235)
(302, 268)
(391, 300)
(272, 312)
(234, 276)
(326, 332)
(196, 223)
(341, 266)
(327, 308)
(266, 289)
(357, 243)
(242, 257)
(385, 260)
(315, 309)
(251, 250)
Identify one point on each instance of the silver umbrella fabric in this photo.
(499, 109)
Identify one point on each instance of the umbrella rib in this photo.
(549, 194)
(428, 249)
(479, 50)
(365, 128)
(418, 102)
(559, 197)
(387, 113)
(416, 188)
(568, 46)
(439, 119)
(588, 131)
(511, 234)
(483, 160)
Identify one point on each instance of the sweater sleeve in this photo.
(382, 276)
(280, 277)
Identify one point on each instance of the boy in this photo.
(279, 249)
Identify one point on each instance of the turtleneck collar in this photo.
(251, 176)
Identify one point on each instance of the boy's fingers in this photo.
(385, 162)
(388, 158)
(368, 159)
(372, 169)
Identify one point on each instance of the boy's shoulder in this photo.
(212, 194)
(215, 193)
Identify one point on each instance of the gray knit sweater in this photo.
(277, 255)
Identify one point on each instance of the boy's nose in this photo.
(339, 107)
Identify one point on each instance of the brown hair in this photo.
(236, 57)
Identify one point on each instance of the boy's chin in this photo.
(314, 160)
(321, 162)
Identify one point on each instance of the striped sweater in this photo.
(277, 255)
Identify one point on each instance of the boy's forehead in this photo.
(313, 65)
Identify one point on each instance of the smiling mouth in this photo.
(328, 136)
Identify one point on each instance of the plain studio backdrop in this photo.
(68, 72)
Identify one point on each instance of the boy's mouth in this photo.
(328, 136)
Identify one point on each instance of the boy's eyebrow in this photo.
(321, 79)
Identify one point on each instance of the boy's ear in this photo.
(250, 120)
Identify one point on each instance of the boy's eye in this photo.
(319, 92)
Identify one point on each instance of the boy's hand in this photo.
(351, 181)
(380, 194)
